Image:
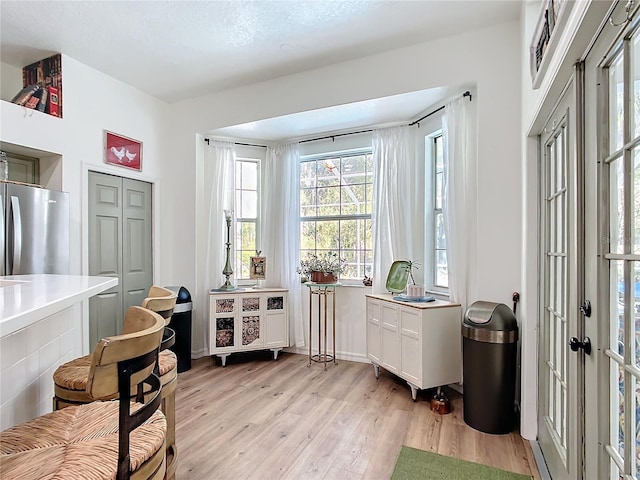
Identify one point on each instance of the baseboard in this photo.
(540, 463)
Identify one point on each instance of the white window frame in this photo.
(238, 220)
(333, 154)
(431, 207)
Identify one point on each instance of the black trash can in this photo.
(489, 348)
(181, 324)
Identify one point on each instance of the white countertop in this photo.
(39, 296)
(388, 297)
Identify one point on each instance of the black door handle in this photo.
(576, 344)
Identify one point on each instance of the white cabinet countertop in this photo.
(25, 299)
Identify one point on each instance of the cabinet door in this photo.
(251, 321)
(276, 321)
(390, 341)
(373, 331)
(410, 345)
(222, 324)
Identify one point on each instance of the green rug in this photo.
(413, 464)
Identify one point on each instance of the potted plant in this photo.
(322, 268)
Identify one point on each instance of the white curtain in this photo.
(219, 161)
(280, 230)
(394, 167)
(460, 198)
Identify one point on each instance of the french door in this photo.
(613, 87)
(559, 407)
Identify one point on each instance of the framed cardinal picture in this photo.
(122, 151)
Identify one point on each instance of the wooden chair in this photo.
(162, 301)
(70, 379)
(104, 439)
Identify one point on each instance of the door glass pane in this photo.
(616, 206)
(635, 61)
(617, 414)
(616, 104)
(636, 312)
(635, 175)
(636, 423)
(617, 291)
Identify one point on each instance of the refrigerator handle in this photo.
(17, 235)
(2, 240)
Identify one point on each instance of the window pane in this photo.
(616, 104)
(328, 172)
(353, 199)
(617, 290)
(636, 312)
(249, 208)
(307, 202)
(635, 61)
(307, 174)
(616, 202)
(353, 170)
(249, 176)
(439, 146)
(439, 190)
(328, 235)
(369, 199)
(442, 273)
(349, 234)
(635, 219)
(328, 201)
(248, 235)
(352, 263)
(308, 232)
(441, 243)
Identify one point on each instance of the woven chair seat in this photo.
(76, 441)
(74, 375)
(167, 361)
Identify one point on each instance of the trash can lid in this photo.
(183, 294)
(490, 316)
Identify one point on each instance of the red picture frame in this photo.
(122, 151)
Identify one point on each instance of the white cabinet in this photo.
(419, 342)
(246, 320)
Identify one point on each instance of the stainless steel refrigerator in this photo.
(35, 230)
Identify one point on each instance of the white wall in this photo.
(93, 102)
(489, 58)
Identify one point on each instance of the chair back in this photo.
(142, 333)
(127, 361)
(162, 301)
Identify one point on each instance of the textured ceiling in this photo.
(176, 50)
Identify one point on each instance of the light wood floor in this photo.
(260, 419)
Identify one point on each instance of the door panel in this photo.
(137, 256)
(119, 245)
(613, 111)
(558, 397)
(105, 254)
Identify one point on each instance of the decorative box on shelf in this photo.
(250, 319)
(42, 86)
(551, 22)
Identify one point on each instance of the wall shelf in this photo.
(551, 22)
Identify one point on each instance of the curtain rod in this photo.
(240, 143)
(416, 122)
(332, 137)
(465, 94)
